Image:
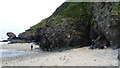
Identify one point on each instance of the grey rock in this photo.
(26, 35)
(11, 35)
(107, 25)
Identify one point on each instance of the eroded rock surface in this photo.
(108, 22)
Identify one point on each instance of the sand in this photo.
(74, 57)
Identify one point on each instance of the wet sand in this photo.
(74, 57)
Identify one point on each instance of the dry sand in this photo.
(74, 57)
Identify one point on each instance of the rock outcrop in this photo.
(24, 37)
(75, 24)
(27, 35)
(107, 20)
(67, 28)
(11, 35)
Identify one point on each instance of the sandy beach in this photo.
(74, 57)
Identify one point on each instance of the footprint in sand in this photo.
(67, 60)
(62, 58)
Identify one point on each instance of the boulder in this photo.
(11, 35)
(69, 30)
(26, 36)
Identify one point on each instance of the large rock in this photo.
(75, 24)
(27, 35)
(65, 29)
(11, 35)
(63, 35)
(22, 38)
(107, 21)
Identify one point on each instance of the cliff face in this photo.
(75, 24)
(67, 27)
(107, 19)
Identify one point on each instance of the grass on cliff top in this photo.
(80, 10)
(77, 10)
(41, 24)
(69, 10)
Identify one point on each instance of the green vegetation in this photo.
(40, 24)
(116, 8)
(57, 19)
(73, 12)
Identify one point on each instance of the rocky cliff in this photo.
(75, 24)
(107, 18)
